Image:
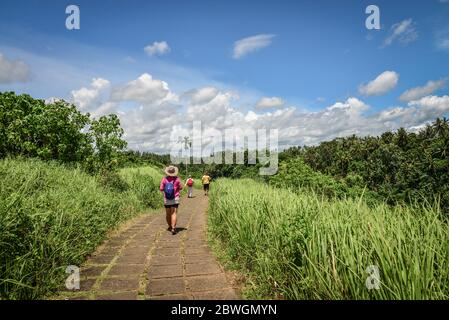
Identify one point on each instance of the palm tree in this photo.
(441, 126)
(187, 144)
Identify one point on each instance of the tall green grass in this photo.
(302, 246)
(143, 185)
(52, 216)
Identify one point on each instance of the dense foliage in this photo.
(295, 175)
(138, 158)
(399, 166)
(58, 131)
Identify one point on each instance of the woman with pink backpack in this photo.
(171, 187)
(189, 184)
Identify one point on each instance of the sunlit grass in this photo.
(52, 216)
(304, 247)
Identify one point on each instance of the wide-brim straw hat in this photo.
(171, 171)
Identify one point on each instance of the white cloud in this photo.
(87, 98)
(157, 48)
(156, 119)
(268, 103)
(13, 70)
(383, 83)
(443, 44)
(203, 95)
(433, 106)
(105, 109)
(213, 111)
(403, 32)
(418, 112)
(52, 100)
(145, 90)
(244, 46)
(419, 92)
(100, 83)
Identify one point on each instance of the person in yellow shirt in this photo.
(205, 180)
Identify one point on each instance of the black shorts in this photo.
(206, 187)
(171, 205)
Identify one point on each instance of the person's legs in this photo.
(190, 192)
(168, 216)
(174, 210)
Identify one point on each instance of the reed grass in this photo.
(303, 246)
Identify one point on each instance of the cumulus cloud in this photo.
(145, 90)
(404, 32)
(419, 92)
(156, 120)
(268, 103)
(157, 48)
(87, 98)
(13, 70)
(213, 111)
(250, 44)
(203, 95)
(383, 83)
(104, 109)
(417, 113)
(434, 106)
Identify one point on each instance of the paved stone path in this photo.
(145, 261)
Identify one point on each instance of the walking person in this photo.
(205, 180)
(189, 184)
(171, 187)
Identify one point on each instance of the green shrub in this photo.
(297, 176)
(111, 180)
(144, 184)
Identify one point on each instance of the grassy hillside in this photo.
(52, 217)
(302, 246)
(143, 183)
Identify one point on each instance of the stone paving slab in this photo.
(134, 259)
(147, 258)
(102, 259)
(166, 286)
(126, 269)
(165, 261)
(111, 284)
(85, 285)
(165, 271)
(207, 258)
(202, 268)
(92, 271)
(207, 282)
(167, 252)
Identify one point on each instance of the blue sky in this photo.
(309, 56)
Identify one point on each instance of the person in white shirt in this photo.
(189, 184)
